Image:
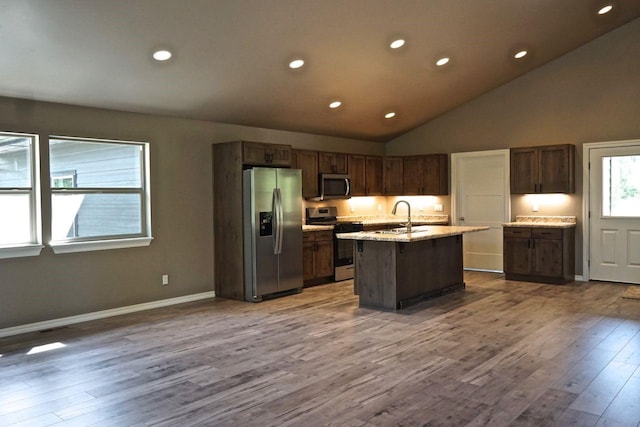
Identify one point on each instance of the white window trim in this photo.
(20, 251)
(109, 242)
(99, 245)
(34, 247)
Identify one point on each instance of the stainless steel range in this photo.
(342, 249)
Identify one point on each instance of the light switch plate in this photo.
(438, 207)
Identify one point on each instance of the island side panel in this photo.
(393, 275)
(375, 279)
(428, 268)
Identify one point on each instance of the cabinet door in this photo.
(325, 162)
(436, 175)
(412, 175)
(332, 162)
(324, 258)
(374, 174)
(308, 162)
(254, 153)
(517, 255)
(393, 176)
(547, 257)
(358, 175)
(308, 255)
(524, 170)
(278, 155)
(557, 163)
(340, 163)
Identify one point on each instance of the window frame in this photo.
(34, 246)
(104, 242)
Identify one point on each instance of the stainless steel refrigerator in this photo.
(272, 215)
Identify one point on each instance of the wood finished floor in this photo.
(499, 353)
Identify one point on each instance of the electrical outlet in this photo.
(535, 207)
(165, 279)
(438, 207)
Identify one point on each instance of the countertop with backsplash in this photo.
(542, 221)
(383, 220)
(306, 227)
(396, 219)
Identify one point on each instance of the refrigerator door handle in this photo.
(275, 220)
(280, 227)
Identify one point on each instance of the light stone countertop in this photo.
(419, 233)
(316, 227)
(542, 221)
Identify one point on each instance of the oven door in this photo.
(344, 252)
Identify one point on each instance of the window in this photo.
(621, 186)
(20, 227)
(99, 194)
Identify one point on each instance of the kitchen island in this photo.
(394, 269)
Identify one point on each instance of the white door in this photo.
(480, 197)
(614, 207)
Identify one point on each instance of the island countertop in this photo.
(417, 234)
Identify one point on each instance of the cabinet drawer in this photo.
(517, 232)
(324, 235)
(308, 237)
(546, 233)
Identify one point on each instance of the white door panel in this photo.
(614, 206)
(480, 186)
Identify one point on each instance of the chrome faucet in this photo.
(395, 207)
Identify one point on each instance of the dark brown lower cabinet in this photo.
(537, 254)
(317, 257)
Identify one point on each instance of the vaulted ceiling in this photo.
(230, 57)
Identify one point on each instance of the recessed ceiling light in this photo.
(390, 115)
(442, 61)
(520, 54)
(162, 55)
(397, 44)
(335, 104)
(605, 9)
(296, 63)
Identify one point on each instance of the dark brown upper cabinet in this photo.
(259, 154)
(366, 175)
(543, 169)
(332, 162)
(374, 174)
(393, 176)
(426, 175)
(308, 162)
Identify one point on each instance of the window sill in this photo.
(99, 245)
(20, 251)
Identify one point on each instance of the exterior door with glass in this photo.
(614, 207)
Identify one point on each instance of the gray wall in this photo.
(52, 286)
(591, 94)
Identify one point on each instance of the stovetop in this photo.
(327, 216)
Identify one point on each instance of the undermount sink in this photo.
(392, 231)
(403, 230)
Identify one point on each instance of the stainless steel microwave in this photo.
(334, 186)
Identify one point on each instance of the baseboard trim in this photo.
(579, 278)
(64, 321)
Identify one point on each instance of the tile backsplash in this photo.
(381, 205)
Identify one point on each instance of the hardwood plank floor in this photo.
(498, 353)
